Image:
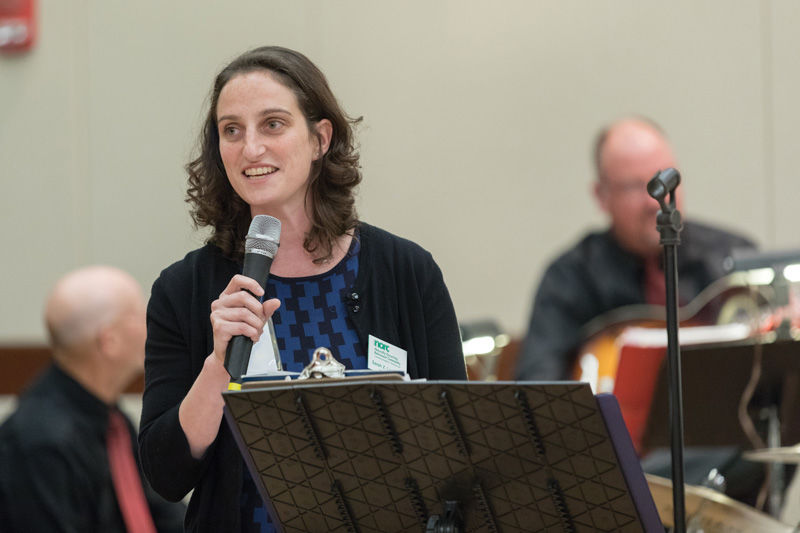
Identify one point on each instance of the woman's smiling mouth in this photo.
(257, 172)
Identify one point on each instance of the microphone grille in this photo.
(263, 237)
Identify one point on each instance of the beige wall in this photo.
(478, 120)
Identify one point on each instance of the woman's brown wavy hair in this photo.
(333, 177)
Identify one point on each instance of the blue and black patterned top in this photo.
(313, 313)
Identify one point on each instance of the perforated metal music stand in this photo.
(387, 456)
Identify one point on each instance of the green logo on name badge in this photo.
(381, 345)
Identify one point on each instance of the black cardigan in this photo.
(399, 296)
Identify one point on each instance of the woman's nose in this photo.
(254, 146)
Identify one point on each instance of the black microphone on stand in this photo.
(669, 225)
(663, 183)
(260, 247)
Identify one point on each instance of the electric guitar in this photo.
(728, 302)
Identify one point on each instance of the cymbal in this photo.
(712, 510)
(788, 454)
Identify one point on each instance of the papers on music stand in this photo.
(687, 335)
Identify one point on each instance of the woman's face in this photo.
(265, 143)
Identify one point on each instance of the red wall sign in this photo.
(17, 24)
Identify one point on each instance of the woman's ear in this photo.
(324, 130)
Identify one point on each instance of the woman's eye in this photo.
(229, 131)
(273, 125)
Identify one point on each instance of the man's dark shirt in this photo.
(55, 474)
(597, 276)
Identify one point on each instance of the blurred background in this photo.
(476, 142)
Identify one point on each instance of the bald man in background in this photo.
(56, 474)
(621, 265)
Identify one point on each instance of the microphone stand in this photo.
(669, 226)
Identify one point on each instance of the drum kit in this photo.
(711, 511)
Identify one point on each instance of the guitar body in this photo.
(599, 357)
(723, 302)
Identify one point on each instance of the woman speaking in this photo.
(275, 142)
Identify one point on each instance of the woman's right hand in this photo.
(235, 312)
(238, 312)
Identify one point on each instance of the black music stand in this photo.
(387, 456)
(715, 377)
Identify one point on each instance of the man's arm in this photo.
(559, 311)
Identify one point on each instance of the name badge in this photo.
(384, 356)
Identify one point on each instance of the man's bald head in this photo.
(627, 155)
(85, 301)
(96, 319)
(626, 136)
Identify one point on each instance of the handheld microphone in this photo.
(260, 247)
